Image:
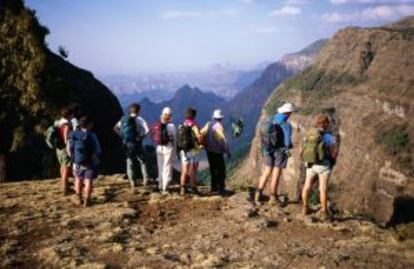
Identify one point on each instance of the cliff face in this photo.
(248, 102)
(363, 79)
(34, 84)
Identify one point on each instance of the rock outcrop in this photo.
(363, 79)
(34, 84)
(247, 104)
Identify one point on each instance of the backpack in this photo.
(128, 130)
(160, 134)
(185, 138)
(314, 149)
(81, 147)
(271, 136)
(53, 138)
(237, 127)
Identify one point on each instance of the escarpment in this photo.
(363, 79)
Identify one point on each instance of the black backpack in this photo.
(271, 136)
(185, 138)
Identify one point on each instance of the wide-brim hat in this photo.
(286, 108)
(166, 111)
(217, 114)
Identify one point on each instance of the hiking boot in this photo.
(79, 199)
(258, 197)
(86, 202)
(195, 191)
(273, 200)
(145, 182)
(305, 210)
(182, 191)
(324, 216)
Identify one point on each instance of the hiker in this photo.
(216, 145)
(319, 152)
(64, 127)
(133, 129)
(276, 142)
(84, 149)
(189, 149)
(164, 137)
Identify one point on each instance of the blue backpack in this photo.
(128, 130)
(82, 147)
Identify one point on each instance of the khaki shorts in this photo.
(323, 169)
(63, 157)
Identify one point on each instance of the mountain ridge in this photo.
(363, 80)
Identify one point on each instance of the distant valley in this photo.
(222, 81)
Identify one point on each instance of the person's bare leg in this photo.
(184, 174)
(262, 183)
(265, 175)
(276, 174)
(88, 192)
(306, 192)
(323, 192)
(78, 189)
(193, 175)
(185, 167)
(65, 179)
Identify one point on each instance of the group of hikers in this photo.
(78, 149)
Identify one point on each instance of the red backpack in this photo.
(160, 134)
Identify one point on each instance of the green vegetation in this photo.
(34, 84)
(396, 142)
(312, 84)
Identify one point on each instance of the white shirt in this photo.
(142, 126)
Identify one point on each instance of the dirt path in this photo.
(41, 229)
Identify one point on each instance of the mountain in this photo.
(247, 104)
(186, 96)
(34, 84)
(363, 79)
(224, 82)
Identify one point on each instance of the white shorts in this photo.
(192, 156)
(323, 169)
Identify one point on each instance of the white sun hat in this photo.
(217, 114)
(286, 108)
(166, 111)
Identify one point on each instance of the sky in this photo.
(154, 36)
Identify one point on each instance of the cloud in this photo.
(175, 14)
(377, 13)
(342, 2)
(286, 11)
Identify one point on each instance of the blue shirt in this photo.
(329, 140)
(281, 120)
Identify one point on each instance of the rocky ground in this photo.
(40, 228)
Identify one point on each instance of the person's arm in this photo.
(66, 131)
(219, 135)
(145, 127)
(287, 133)
(69, 145)
(117, 128)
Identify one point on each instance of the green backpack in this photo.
(314, 150)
